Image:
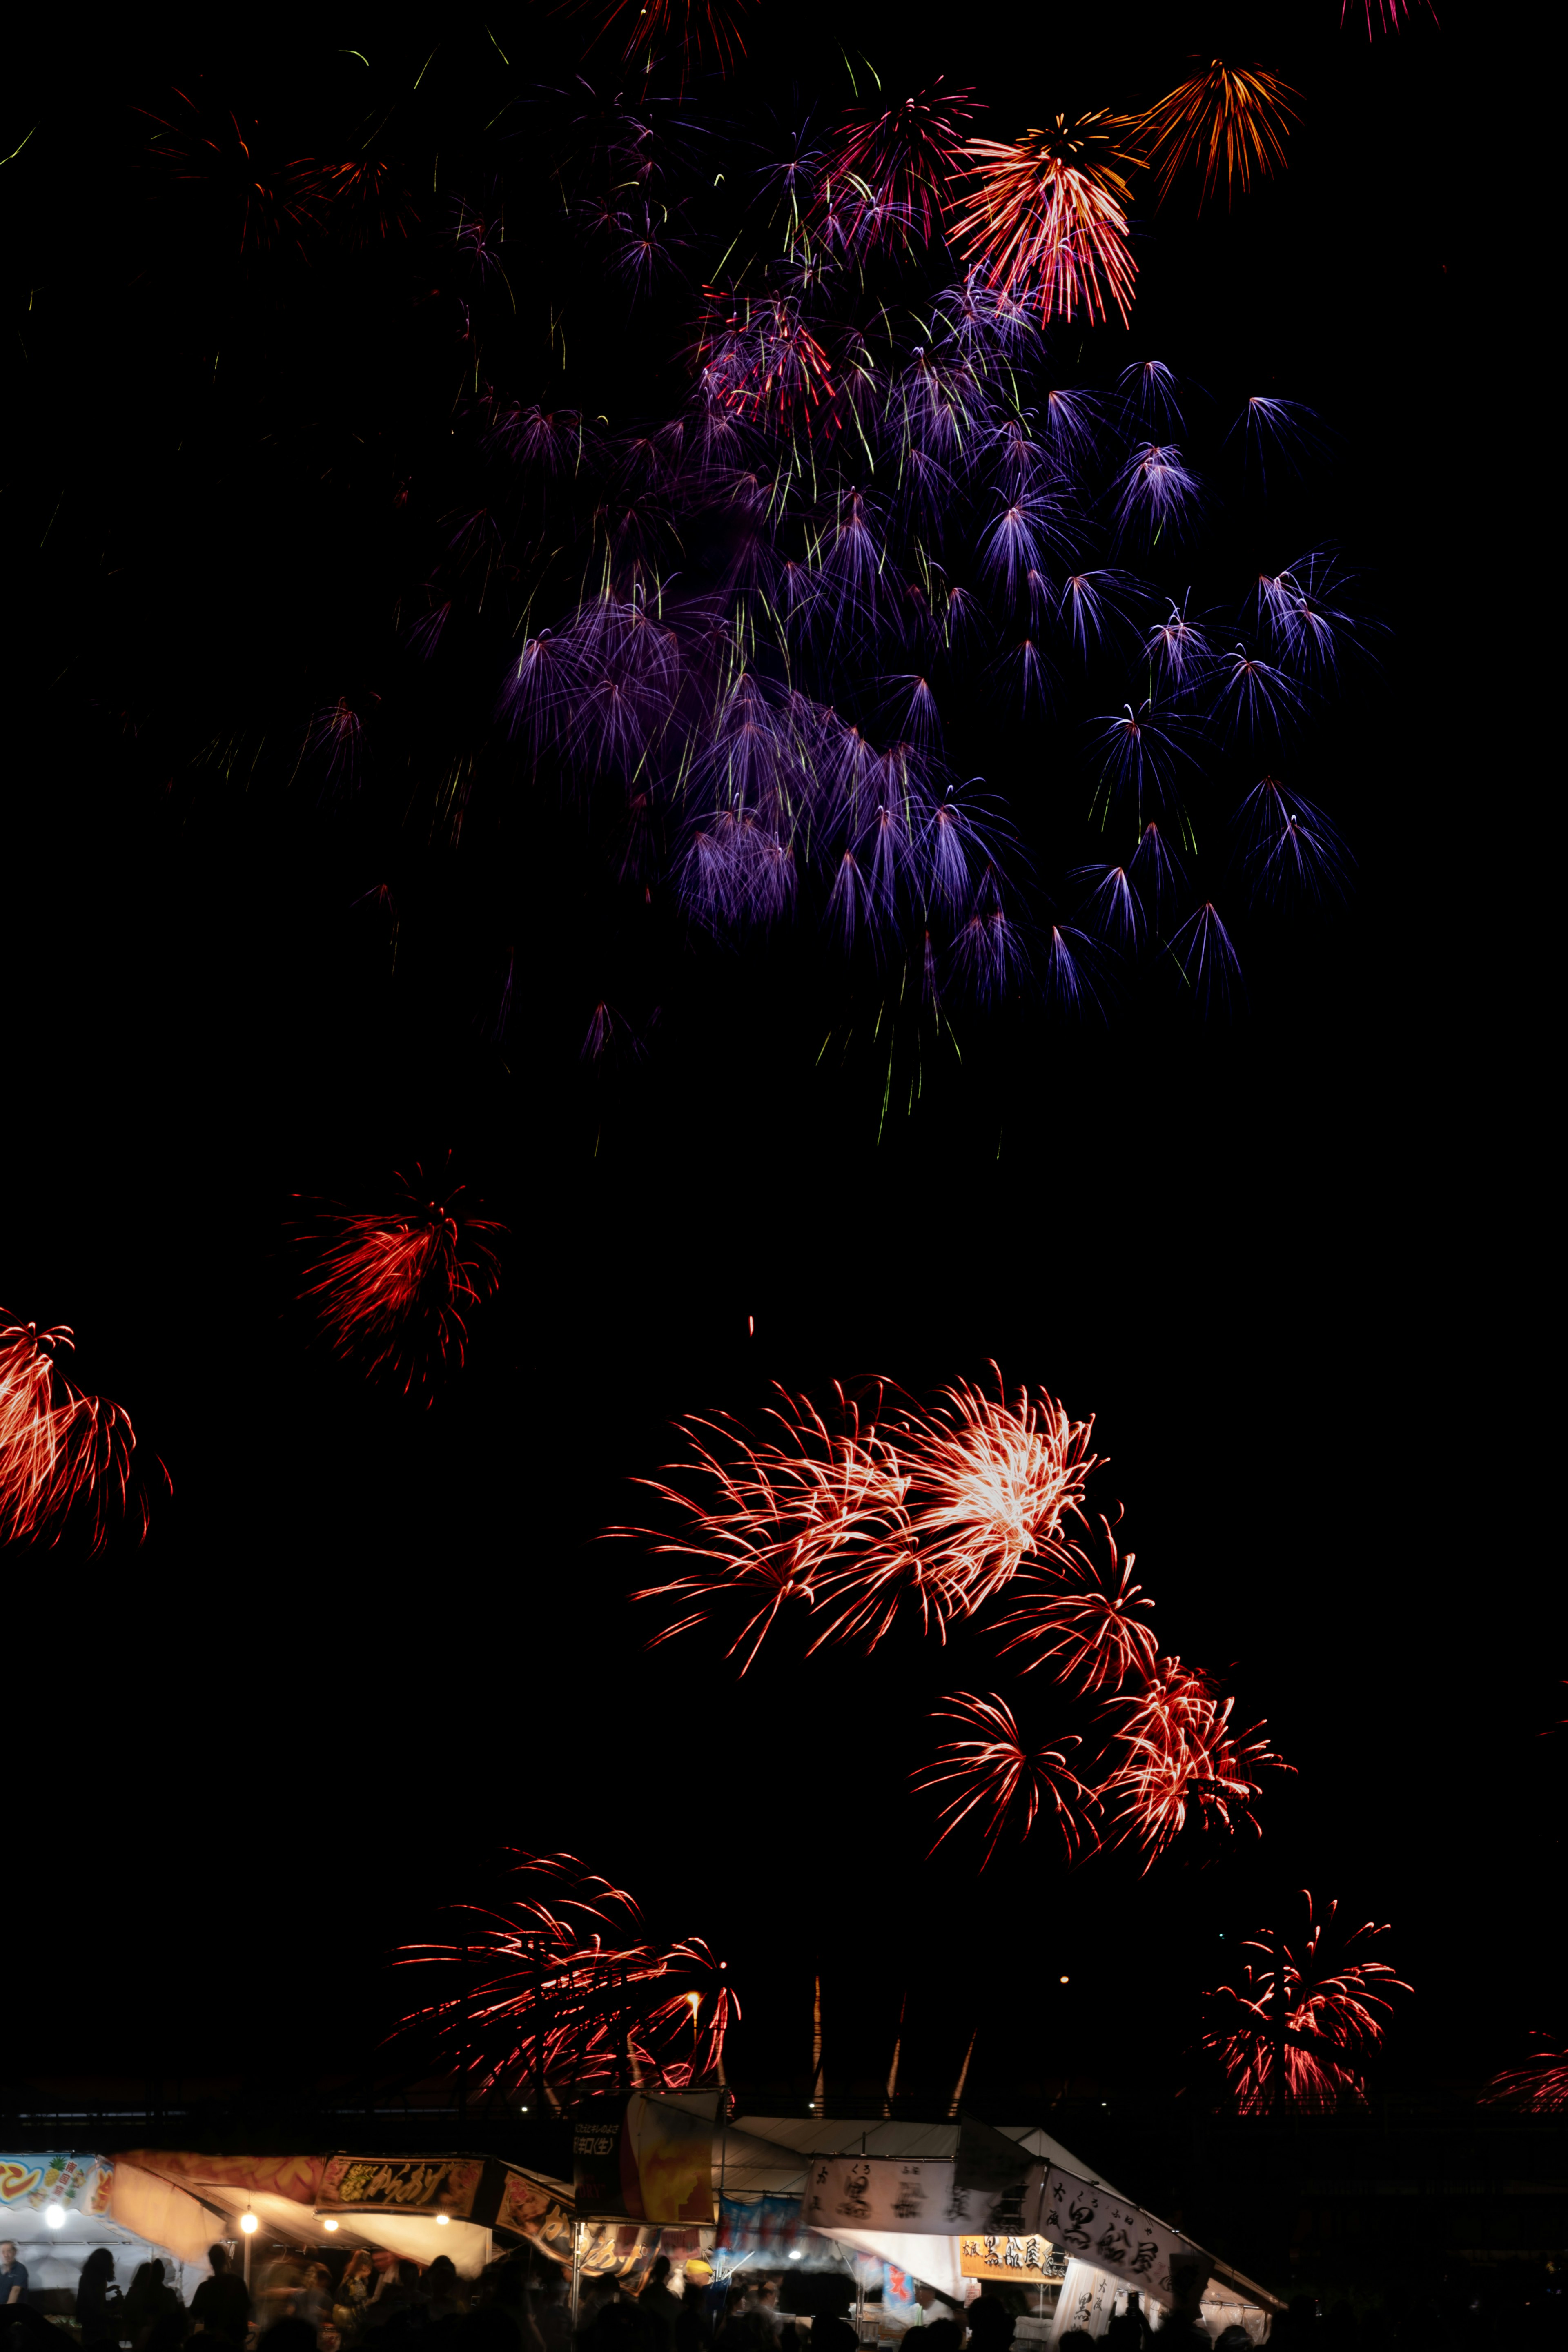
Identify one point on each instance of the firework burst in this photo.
(1089, 1617)
(999, 1775)
(389, 1287)
(1045, 218)
(1319, 2007)
(65, 1456)
(1539, 2086)
(858, 1513)
(1227, 121)
(559, 1994)
(1180, 1758)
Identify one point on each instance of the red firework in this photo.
(65, 1456)
(1228, 121)
(1181, 1756)
(855, 1516)
(559, 1995)
(390, 1287)
(1321, 2008)
(816, 1514)
(1008, 1782)
(1539, 2086)
(1046, 217)
(1089, 1618)
(691, 30)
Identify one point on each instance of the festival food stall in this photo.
(947, 2205)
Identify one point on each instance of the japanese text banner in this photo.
(1089, 2221)
(882, 2193)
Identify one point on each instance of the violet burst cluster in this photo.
(929, 618)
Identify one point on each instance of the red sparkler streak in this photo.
(1182, 1754)
(390, 1287)
(1048, 214)
(997, 1771)
(761, 360)
(1539, 2086)
(63, 1454)
(1333, 2014)
(996, 1477)
(1229, 119)
(1087, 1616)
(548, 2000)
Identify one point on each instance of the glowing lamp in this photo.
(329, 2223)
(1063, 1981)
(442, 2220)
(795, 2253)
(249, 2224)
(55, 2215)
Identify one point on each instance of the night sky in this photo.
(1293, 1260)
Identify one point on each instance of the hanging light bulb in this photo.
(55, 2215)
(329, 2223)
(442, 2220)
(248, 2222)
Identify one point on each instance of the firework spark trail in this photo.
(1181, 1757)
(998, 1771)
(899, 162)
(65, 1456)
(1045, 218)
(389, 1287)
(1335, 2003)
(559, 1995)
(1229, 120)
(1540, 2087)
(935, 1507)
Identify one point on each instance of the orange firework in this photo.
(390, 1287)
(1230, 119)
(1046, 217)
(560, 1994)
(64, 1457)
(999, 1772)
(1181, 1756)
(1088, 1617)
(1318, 2009)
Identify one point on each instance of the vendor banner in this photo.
(882, 2193)
(81, 2184)
(997, 2181)
(638, 2159)
(1087, 2221)
(409, 2184)
(1024, 2261)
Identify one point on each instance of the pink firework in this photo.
(560, 1993)
(887, 173)
(1319, 2007)
(65, 1456)
(390, 1287)
(999, 1775)
(1180, 1758)
(1089, 1617)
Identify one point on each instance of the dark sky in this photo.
(1291, 1262)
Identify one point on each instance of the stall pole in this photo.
(576, 2270)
